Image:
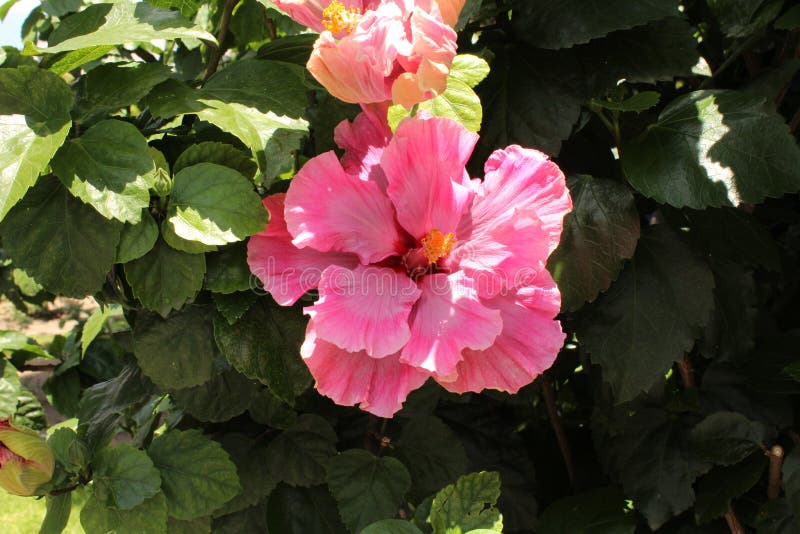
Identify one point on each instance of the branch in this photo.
(686, 372)
(558, 427)
(733, 522)
(217, 50)
(775, 464)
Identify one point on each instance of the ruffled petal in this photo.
(448, 318)
(286, 271)
(365, 308)
(526, 179)
(450, 10)
(435, 43)
(379, 386)
(363, 141)
(528, 345)
(424, 164)
(330, 210)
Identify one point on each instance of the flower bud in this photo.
(25, 460)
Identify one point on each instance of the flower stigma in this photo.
(340, 19)
(437, 245)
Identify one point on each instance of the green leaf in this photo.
(432, 453)
(12, 341)
(601, 511)
(112, 86)
(108, 167)
(214, 205)
(469, 69)
(741, 18)
(717, 489)
(68, 450)
(34, 121)
(652, 314)
(599, 233)
(467, 505)
(58, 510)
(150, 517)
(233, 306)
(64, 244)
(714, 148)
(638, 102)
(302, 510)
(789, 20)
(187, 7)
(201, 525)
(291, 48)
(138, 239)
(219, 153)
(299, 454)
(776, 517)
(267, 409)
(197, 476)
(164, 279)
(178, 243)
(93, 326)
(124, 477)
(225, 396)
(392, 526)
(534, 98)
(726, 438)
(643, 438)
(366, 488)
(247, 24)
(103, 405)
(118, 23)
(265, 345)
(177, 352)
(562, 24)
(228, 271)
(9, 389)
(61, 64)
(251, 459)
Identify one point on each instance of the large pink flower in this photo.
(378, 50)
(421, 271)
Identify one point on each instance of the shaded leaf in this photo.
(600, 511)
(150, 517)
(299, 454)
(124, 477)
(301, 510)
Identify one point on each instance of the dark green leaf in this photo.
(432, 453)
(268, 409)
(251, 459)
(468, 505)
(717, 489)
(138, 239)
(301, 510)
(150, 517)
(253, 519)
(116, 24)
(291, 49)
(776, 517)
(219, 153)
(34, 121)
(638, 102)
(265, 345)
(227, 271)
(298, 455)
(791, 480)
(235, 305)
(164, 279)
(600, 511)
(740, 18)
(201, 525)
(67, 449)
(64, 244)
(651, 315)
(247, 24)
(225, 396)
(197, 476)
(112, 86)
(187, 7)
(214, 205)
(392, 526)
(599, 234)
(726, 438)
(789, 20)
(562, 24)
(366, 488)
(177, 352)
(58, 509)
(108, 167)
(124, 477)
(714, 148)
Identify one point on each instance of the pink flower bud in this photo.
(25, 460)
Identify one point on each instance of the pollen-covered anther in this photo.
(437, 245)
(337, 18)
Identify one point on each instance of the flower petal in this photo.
(528, 345)
(448, 318)
(365, 308)
(328, 209)
(424, 164)
(363, 141)
(286, 271)
(524, 178)
(379, 385)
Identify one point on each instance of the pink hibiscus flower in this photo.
(379, 50)
(421, 271)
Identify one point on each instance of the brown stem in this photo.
(687, 373)
(558, 427)
(217, 50)
(273, 31)
(795, 122)
(775, 464)
(62, 491)
(733, 522)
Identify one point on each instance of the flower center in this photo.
(437, 245)
(337, 18)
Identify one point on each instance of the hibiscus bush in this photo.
(403, 267)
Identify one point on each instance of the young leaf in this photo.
(93, 326)
(366, 488)
(124, 477)
(197, 476)
(468, 505)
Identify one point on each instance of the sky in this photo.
(9, 28)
